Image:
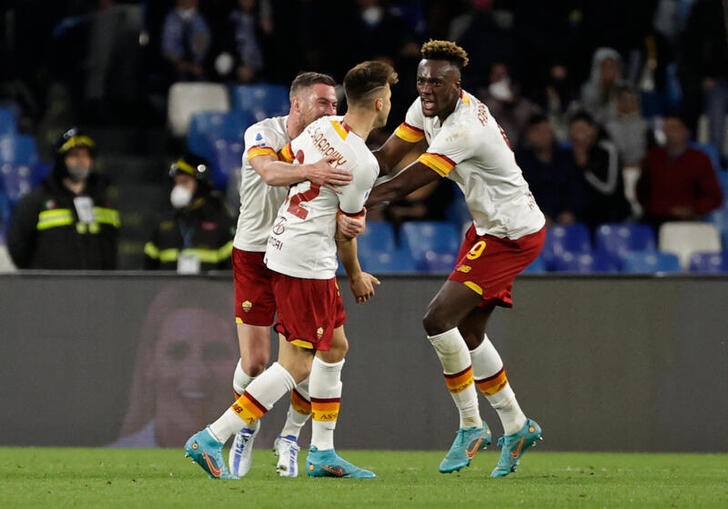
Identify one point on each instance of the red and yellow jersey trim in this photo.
(341, 128)
(440, 164)
(464, 97)
(286, 154)
(361, 213)
(261, 151)
(409, 133)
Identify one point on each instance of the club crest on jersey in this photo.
(247, 306)
(319, 332)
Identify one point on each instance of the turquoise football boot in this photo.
(513, 447)
(468, 441)
(327, 463)
(207, 452)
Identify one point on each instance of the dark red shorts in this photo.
(254, 301)
(308, 310)
(488, 265)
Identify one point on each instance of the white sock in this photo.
(258, 398)
(491, 380)
(240, 378)
(299, 410)
(325, 391)
(453, 353)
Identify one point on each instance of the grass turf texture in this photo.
(58, 477)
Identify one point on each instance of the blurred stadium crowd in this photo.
(616, 111)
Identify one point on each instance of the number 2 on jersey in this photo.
(294, 206)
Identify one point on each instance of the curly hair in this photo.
(445, 50)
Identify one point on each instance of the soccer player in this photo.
(263, 189)
(466, 144)
(302, 253)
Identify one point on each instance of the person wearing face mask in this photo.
(68, 222)
(198, 235)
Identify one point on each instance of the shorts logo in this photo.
(247, 306)
(463, 268)
(319, 332)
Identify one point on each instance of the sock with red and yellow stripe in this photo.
(299, 410)
(491, 380)
(325, 389)
(256, 400)
(453, 353)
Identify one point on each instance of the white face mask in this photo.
(372, 15)
(78, 173)
(180, 197)
(501, 90)
(186, 14)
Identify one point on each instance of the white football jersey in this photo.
(259, 202)
(301, 242)
(471, 149)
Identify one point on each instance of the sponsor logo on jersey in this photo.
(280, 226)
(464, 268)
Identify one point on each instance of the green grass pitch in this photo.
(154, 478)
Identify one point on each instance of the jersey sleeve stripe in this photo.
(261, 151)
(440, 164)
(286, 154)
(354, 214)
(409, 133)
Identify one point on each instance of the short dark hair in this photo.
(308, 79)
(445, 50)
(364, 78)
(583, 116)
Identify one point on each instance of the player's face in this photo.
(316, 102)
(438, 83)
(192, 371)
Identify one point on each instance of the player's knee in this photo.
(436, 322)
(254, 365)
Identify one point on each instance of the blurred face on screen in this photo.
(193, 357)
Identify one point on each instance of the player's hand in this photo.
(322, 173)
(350, 227)
(362, 286)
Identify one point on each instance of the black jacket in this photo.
(45, 231)
(205, 229)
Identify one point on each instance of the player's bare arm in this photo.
(391, 153)
(412, 177)
(280, 173)
(361, 283)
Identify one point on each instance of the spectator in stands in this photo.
(504, 100)
(704, 69)
(558, 98)
(186, 41)
(597, 163)
(599, 94)
(550, 172)
(678, 183)
(198, 236)
(628, 129)
(242, 46)
(67, 223)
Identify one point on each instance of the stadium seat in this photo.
(684, 238)
(235, 124)
(583, 263)
(710, 151)
(538, 266)
(720, 218)
(562, 238)
(226, 158)
(617, 239)
(17, 180)
(188, 98)
(382, 262)
(377, 238)
(423, 237)
(205, 127)
(18, 149)
(7, 122)
(643, 262)
(263, 100)
(709, 263)
(457, 212)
